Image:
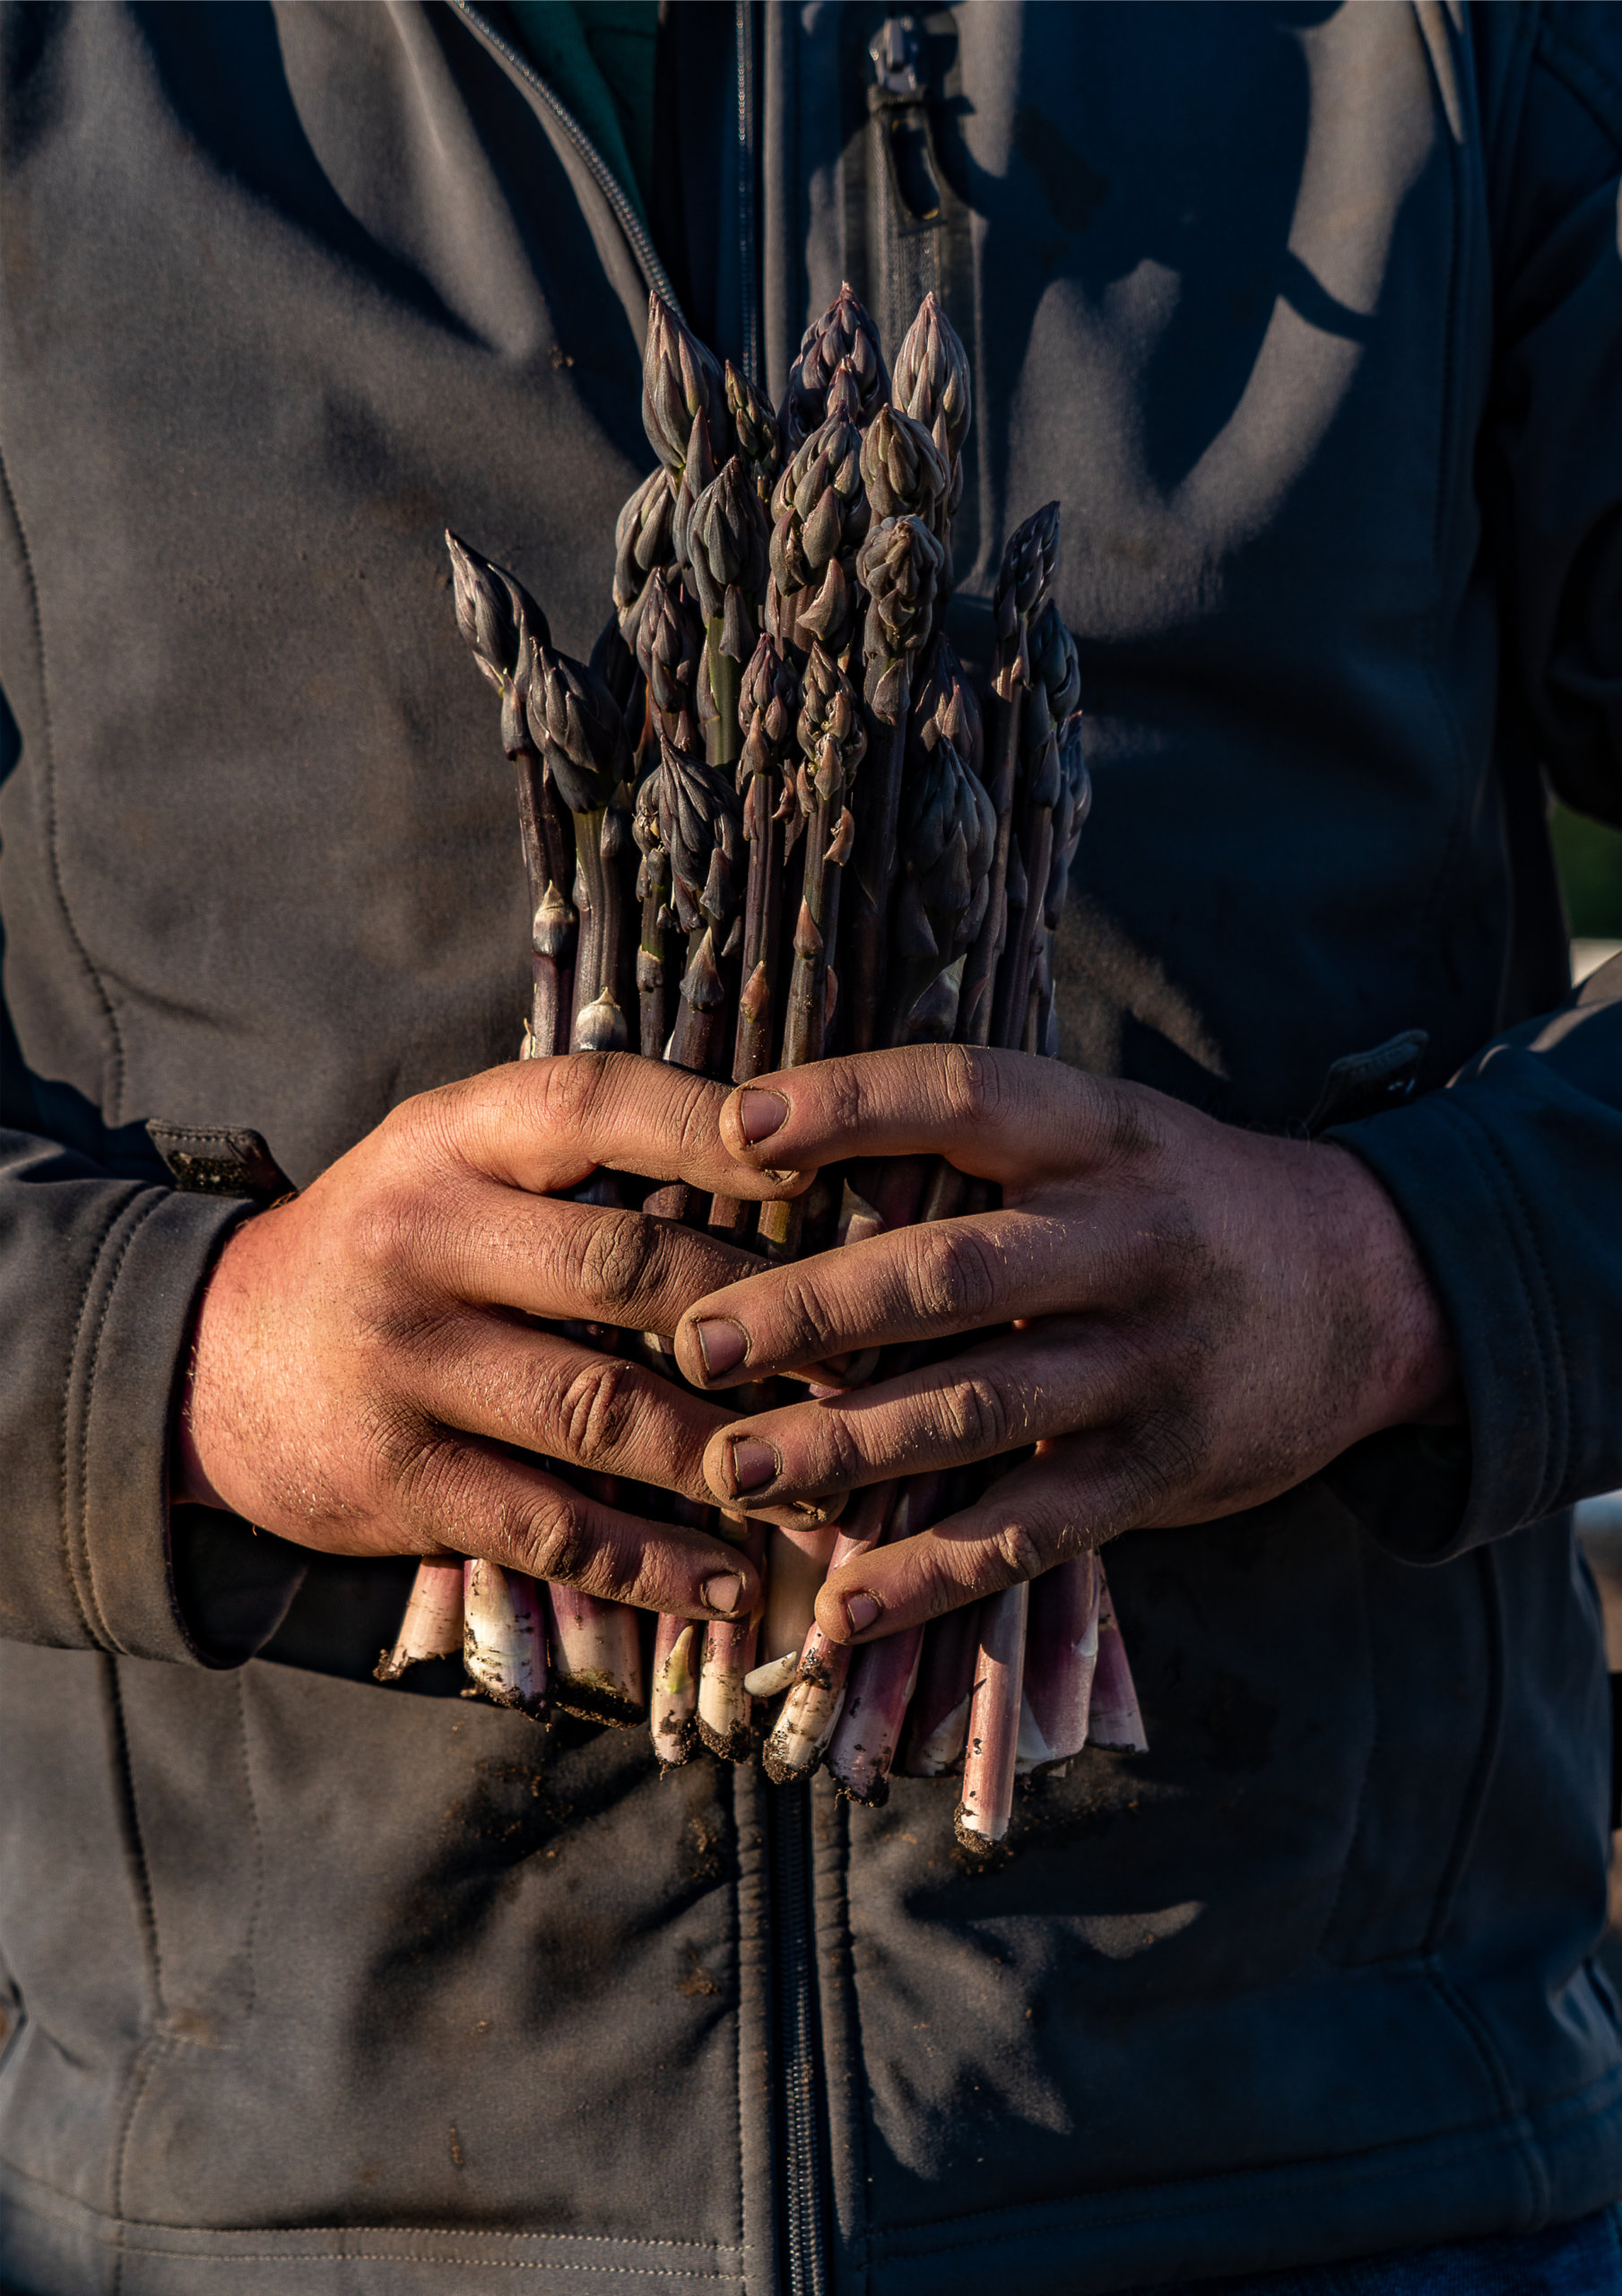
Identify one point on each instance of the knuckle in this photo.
(570, 1089)
(950, 1275)
(978, 1417)
(697, 1117)
(840, 1463)
(1019, 1553)
(845, 1102)
(428, 1474)
(607, 1264)
(593, 1410)
(801, 1320)
(387, 1233)
(555, 1536)
(973, 1084)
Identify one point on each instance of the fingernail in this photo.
(722, 1342)
(861, 1611)
(753, 1463)
(760, 1114)
(721, 1595)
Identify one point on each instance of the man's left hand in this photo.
(1202, 1318)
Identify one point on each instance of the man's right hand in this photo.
(366, 1377)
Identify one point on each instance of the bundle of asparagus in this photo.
(774, 727)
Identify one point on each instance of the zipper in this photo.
(608, 183)
(802, 2105)
(749, 139)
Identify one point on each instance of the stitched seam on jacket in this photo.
(77, 2216)
(155, 1196)
(1332, 1919)
(114, 2237)
(154, 2048)
(1448, 428)
(858, 2111)
(1472, 1802)
(52, 838)
(70, 1559)
(1470, 1134)
(1557, 1416)
(251, 1942)
(146, 1904)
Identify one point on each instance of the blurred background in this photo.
(1590, 872)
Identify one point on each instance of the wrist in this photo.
(1394, 1320)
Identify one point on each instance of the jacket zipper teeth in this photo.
(799, 2070)
(608, 183)
(748, 235)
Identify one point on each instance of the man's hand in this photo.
(1202, 1318)
(366, 1377)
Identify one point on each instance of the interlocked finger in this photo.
(1004, 1116)
(463, 1496)
(1024, 1387)
(540, 1393)
(915, 1283)
(1073, 1495)
(578, 1262)
(544, 1124)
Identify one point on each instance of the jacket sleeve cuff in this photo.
(1428, 1494)
(204, 1589)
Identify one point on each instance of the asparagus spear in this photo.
(843, 336)
(727, 540)
(882, 1676)
(1055, 686)
(898, 566)
(680, 380)
(812, 1709)
(904, 471)
(674, 1704)
(597, 1656)
(1061, 1653)
(932, 384)
(766, 710)
(581, 735)
(504, 1646)
(653, 893)
(433, 1623)
(700, 824)
(755, 427)
(767, 707)
(937, 1719)
(643, 545)
(504, 627)
(697, 474)
(832, 742)
(1027, 570)
(1070, 816)
(699, 833)
(669, 640)
(821, 517)
(1116, 1719)
(981, 1817)
(948, 834)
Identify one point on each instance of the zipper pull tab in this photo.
(896, 97)
(896, 49)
